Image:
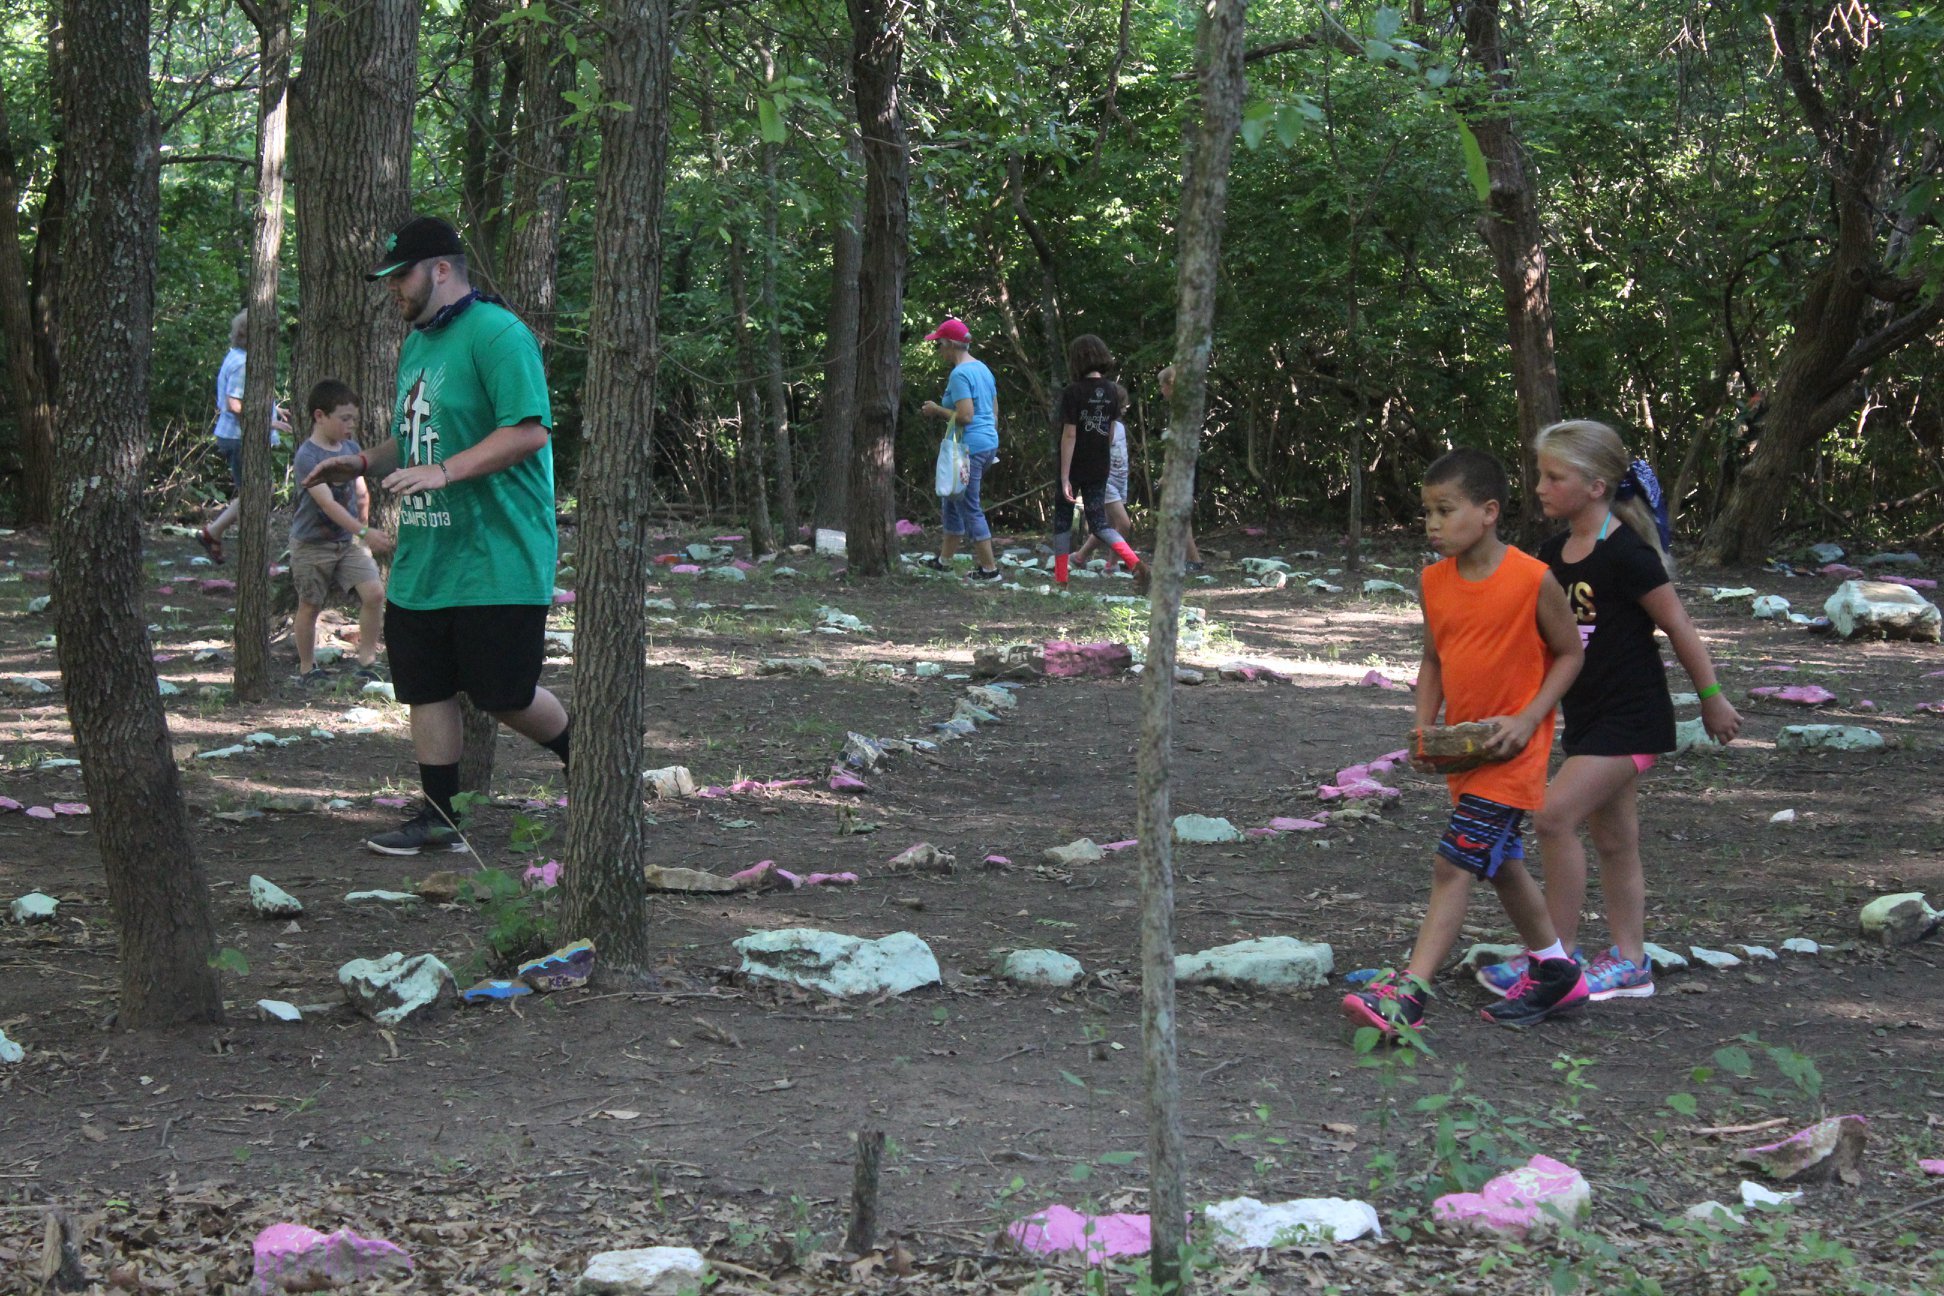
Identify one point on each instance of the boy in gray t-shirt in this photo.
(329, 535)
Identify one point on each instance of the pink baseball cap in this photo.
(952, 330)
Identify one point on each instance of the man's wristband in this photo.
(362, 530)
(364, 465)
(1713, 690)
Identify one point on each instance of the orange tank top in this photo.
(1493, 661)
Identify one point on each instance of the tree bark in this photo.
(155, 883)
(27, 376)
(779, 395)
(492, 95)
(540, 147)
(253, 595)
(839, 406)
(750, 465)
(1511, 230)
(1204, 196)
(607, 901)
(877, 59)
(351, 166)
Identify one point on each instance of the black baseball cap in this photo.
(418, 239)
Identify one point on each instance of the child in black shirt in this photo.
(1089, 407)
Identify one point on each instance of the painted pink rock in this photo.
(1912, 582)
(542, 877)
(1283, 824)
(831, 879)
(1095, 1238)
(742, 564)
(218, 586)
(8, 803)
(1829, 1149)
(685, 569)
(841, 782)
(1518, 1203)
(391, 802)
(1811, 695)
(1355, 790)
(726, 539)
(906, 527)
(165, 589)
(997, 861)
(1260, 832)
(1377, 679)
(1932, 1166)
(1111, 847)
(290, 1257)
(565, 597)
(1864, 704)
(1935, 708)
(1840, 571)
(39, 812)
(1067, 660)
(75, 808)
(764, 875)
(1255, 532)
(162, 657)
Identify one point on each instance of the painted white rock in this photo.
(1692, 734)
(1718, 959)
(837, 964)
(1266, 963)
(1245, 1224)
(1042, 969)
(793, 666)
(390, 989)
(271, 900)
(34, 907)
(1771, 607)
(670, 783)
(1898, 919)
(649, 1271)
(393, 898)
(1828, 737)
(1759, 952)
(278, 1010)
(1878, 607)
(1194, 829)
(1083, 851)
(1800, 945)
(1664, 959)
(10, 1052)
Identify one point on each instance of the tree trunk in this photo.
(1511, 230)
(877, 59)
(606, 898)
(1204, 195)
(839, 405)
(27, 377)
(750, 465)
(531, 277)
(492, 95)
(1818, 378)
(155, 883)
(351, 166)
(252, 675)
(779, 395)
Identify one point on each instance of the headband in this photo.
(1640, 482)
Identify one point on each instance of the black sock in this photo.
(558, 744)
(441, 784)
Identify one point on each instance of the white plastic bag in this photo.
(954, 465)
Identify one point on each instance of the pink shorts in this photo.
(1643, 763)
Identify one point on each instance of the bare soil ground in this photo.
(503, 1145)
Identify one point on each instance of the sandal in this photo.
(211, 545)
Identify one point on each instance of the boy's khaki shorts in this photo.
(320, 569)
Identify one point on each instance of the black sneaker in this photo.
(315, 677)
(422, 832)
(983, 574)
(1197, 566)
(1387, 1003)
(371, 674)
(931, 561)
(1549, 989)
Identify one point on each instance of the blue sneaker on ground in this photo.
(1611, 976)
(1499, 978)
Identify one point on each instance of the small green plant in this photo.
(1572, 1074)
(529, 833)
(230, 961)
(518, 924)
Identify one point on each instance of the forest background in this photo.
(1735, 203)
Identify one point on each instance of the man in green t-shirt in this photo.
(471, 462)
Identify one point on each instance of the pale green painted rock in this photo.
(1083, 851)
(1880, 608)
(1899, 919)
(1044, 969)
(1203, 830)
(271, 900)
(34, 907)
(1267, 963)
(390, 989)
(1664, 959)
(837, 964)
(1824, 737)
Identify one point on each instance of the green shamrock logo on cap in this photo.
(391, 243)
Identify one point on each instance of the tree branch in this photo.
(1894, 336)
(187, 159)
(253, 12)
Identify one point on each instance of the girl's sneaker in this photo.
(1499, 978)
(1554, 988)
(1386, 1003)
(1611, 976)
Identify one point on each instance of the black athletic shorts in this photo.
(491, 654)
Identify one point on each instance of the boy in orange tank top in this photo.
(1500, 645)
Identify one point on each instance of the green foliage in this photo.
(519, 922)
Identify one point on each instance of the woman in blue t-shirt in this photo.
(971, 407)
